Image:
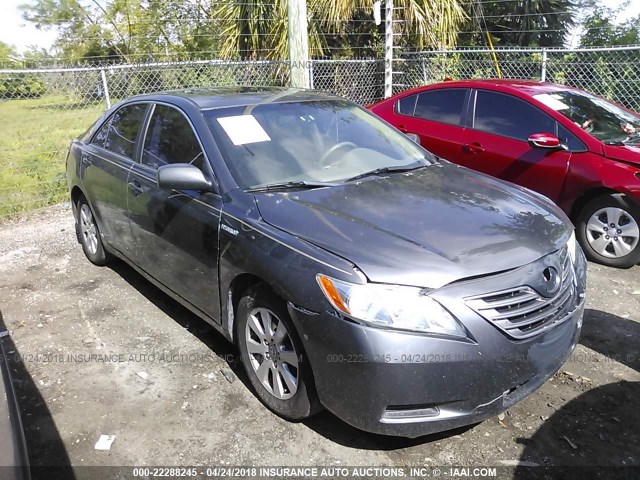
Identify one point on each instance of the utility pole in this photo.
(298, 44)
(388, 48)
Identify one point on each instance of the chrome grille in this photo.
(522, 312)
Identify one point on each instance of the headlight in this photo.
(391, 306)
(571, 247)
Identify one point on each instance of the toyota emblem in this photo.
(551, 280)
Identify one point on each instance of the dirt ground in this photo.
(192, 405)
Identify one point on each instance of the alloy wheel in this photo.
(271, 353)
(612, 232)
(88, 229)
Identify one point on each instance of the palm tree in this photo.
(258, 28)
(543, 23)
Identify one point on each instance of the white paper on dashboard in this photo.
(243, 129)
(551, 102)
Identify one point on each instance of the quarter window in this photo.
(170, 139)
(444, 106)
(101, 135)
(124, 128)
(570, 140)
(407, 105)
(509, 116)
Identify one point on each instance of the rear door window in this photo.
(124, 128)
(170, 139)
(444, 105)
(508, 116)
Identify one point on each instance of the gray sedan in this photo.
(354, 270)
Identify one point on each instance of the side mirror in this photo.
(414, 137)
(547, 141)
(182, 176)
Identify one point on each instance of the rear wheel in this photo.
(273, 356)
(89, 235)
(608, 230)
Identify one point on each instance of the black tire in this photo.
(90, 240)
(304, 402)
(587, 236)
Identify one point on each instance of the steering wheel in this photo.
(334, 149)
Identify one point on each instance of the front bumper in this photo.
(409, 384)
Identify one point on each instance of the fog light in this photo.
(408, 413)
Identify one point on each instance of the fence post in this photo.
(105, 88)
(388, 49)
(424, 71)
(298, 43)
(543, 74)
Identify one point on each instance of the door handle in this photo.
(136, 188)
(85, 159)
(402, 128)
(472, 148)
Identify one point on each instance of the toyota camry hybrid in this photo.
(354, 270)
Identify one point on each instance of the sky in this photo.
(14, 30)
(632, 10)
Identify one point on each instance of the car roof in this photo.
(210, 98)
(528, 87)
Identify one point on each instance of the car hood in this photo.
(426, 228)
(626, 153)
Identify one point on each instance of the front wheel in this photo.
(608, 230)
(273, 357)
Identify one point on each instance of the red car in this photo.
(581, 151)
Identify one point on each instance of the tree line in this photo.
(124, 31)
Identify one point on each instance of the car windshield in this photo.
(308, 142)
(602, 119)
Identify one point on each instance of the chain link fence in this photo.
(613, 73)
(359, 80)
(42, 109)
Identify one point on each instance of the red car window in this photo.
(444, 105)
(509, 116)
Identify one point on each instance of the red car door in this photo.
(436, 116)
(496, 143)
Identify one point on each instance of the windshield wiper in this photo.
(291, 185)
(391, 169)
(632, 139)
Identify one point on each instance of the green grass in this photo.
(34, 138)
